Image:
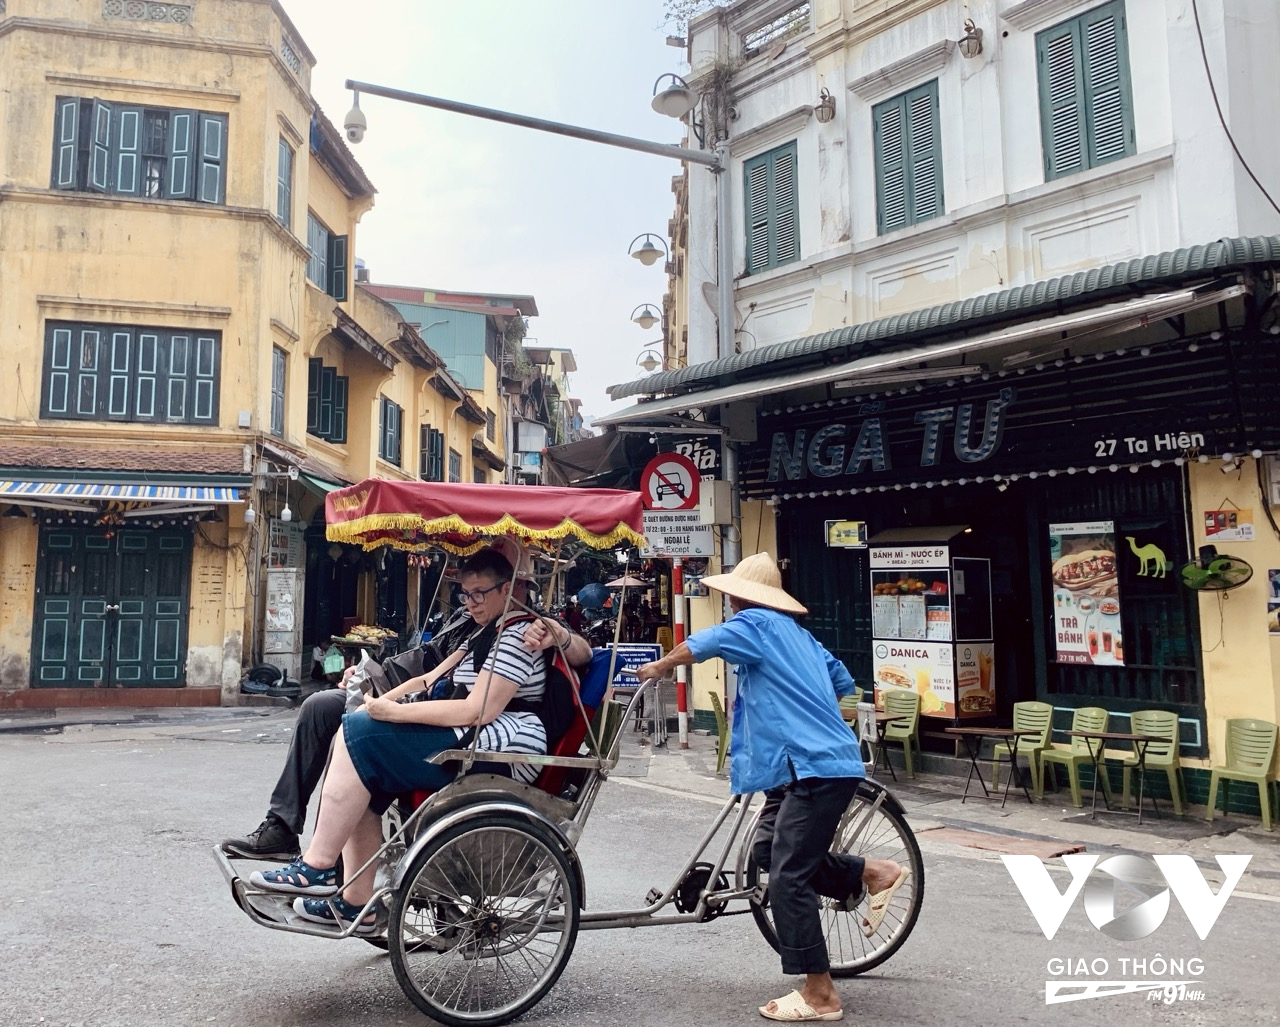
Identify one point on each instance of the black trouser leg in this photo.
(802, 868)
(319, 719)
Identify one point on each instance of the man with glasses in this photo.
(320, 717)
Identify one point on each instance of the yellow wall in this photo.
(1241, 660)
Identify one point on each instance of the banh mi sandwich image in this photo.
(895, 677)
(1085, 568)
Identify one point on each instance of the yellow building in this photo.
(193, 366)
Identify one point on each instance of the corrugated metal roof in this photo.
(1190, 262)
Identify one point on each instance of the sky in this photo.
(476, 206)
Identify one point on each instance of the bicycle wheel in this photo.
(872, 829)
(485, 920)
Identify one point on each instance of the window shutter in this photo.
(784, 203)
(395, 439)
(128, 155)
(213, 155)
(1061, 100)
(284, 185)
(100, 148)
(889, 131)
(384, 428)
(338, 267)
(182, 146)
(314, 369)
(756, 179)
(925, 139)
(339, 433)
(1106, 84)
(324, 422)
(424, 440)
(66, 143)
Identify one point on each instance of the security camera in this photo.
(355, 123)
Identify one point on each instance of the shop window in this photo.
(327, 267)
(101, 372)
(769, 183)
(278, 364)
(1086, 99)
(126, 150)
(908, 158)
(389, 419)
(326, 402)
(479, 476)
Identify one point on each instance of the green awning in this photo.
(318, 485)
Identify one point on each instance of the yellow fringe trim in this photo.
(413, 527)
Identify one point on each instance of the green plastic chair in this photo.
(1160, 755)
(906, 704)
(1086, 718)
(1027, 716)
(849, 708)
(1251, 744)
(722, 731)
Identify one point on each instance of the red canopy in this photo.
(417, 515)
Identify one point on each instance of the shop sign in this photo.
(1086, 593)
(845, 534)
(676, 533)
(909, 557)
(1230, 525)
(925, 668)
(704, 454)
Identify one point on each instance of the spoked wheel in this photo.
(485, 920)
(873, 830)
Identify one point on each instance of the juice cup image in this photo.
(1093, 641)
(924, 680)
(985, 661)
(1106, 640)
(1117, 647)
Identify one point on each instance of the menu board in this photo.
(975, 678)
(1086, 593)
(926, 668)
(911, 616)
(937, 620)
(884, 616)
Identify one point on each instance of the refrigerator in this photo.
(931, 623)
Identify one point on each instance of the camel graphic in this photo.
(1150, 554)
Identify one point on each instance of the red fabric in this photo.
(460, 517)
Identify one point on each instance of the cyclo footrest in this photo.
(652, 896)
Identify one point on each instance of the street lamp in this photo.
(677, 100)
(649, 361)
(647, 318)
(647, 253)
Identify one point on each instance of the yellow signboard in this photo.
(847, 534)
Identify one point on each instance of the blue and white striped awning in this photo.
(16, 491)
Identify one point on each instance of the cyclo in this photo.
(480, 882)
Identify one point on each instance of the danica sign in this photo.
(1123, 410)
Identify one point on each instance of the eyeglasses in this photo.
(477, 597)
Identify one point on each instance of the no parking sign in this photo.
(670, 482)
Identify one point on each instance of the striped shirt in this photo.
(510, 731)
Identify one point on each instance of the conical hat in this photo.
(756, 580)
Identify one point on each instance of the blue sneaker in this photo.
(298, 878)
(320, 911)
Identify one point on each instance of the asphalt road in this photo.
(118, 917)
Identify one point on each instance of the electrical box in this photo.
(715, 502)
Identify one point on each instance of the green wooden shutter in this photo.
(924, 139)
(889, 131)
(756, 188)
(126, 172)
(339, 431)
(424, 436)
(211, 187)
(1062, 121)
(100, 148)
(785, 241)
(315, 367)
(1107, 100)
(66, 143)
(284, 184)
(338, 267)
(182, 148)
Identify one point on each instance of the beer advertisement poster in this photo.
(1086, 593)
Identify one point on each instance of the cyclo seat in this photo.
(590, 688)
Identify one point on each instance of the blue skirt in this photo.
(391, 759)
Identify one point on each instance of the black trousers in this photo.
(792, 843)
(319, 719)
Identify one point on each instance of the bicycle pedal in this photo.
(652, 896)
(760, 895)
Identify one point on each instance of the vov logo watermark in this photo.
(1125, 898)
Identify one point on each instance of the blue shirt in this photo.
(786, 721)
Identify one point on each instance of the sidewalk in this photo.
(980, 828)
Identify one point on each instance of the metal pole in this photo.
(682, 673)
(591, 135)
